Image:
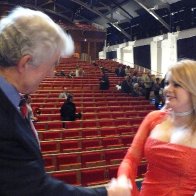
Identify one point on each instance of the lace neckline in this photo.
(181, 114)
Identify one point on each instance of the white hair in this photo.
(25, 31)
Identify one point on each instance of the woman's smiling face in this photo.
(176, 97)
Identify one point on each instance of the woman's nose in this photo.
(167, 88)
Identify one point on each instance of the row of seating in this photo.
(101, 109)
(93, 176)
(112, 101)
(85, 92)
(96, 116)
(60, 134)
(81, 144)
(83, 159)
(125, 122)
(84, 103)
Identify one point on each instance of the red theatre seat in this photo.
(112, 171)
(51, 135)
(114, 156)
(106, 122)
(111, 142)
(68, 177)
(67, 161)
(69, 146)
(71, 133)
(49, 163)
(90, 144)
(93, 132)
(125, 130)
(55, 125)
(89, 159)
(92, 177)
(87, 124)
(127, 139)
(73, 124)
(49, 147)
(104, 115)
(121, 122)
(108, 131)
(40, 125)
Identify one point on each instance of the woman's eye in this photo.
(176, 84)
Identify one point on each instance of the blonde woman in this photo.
(167, 139)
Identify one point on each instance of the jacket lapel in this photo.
(22, 129)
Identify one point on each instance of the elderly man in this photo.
(31, 45)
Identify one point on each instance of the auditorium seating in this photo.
(87, 151)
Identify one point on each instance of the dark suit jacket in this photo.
(21, 166)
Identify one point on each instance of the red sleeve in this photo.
(135, 152)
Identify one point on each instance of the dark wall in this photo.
(186, 48)
(142, 56)
(111, 55)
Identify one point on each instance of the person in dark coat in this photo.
(104, 82)
(126, 86)
(68, 110)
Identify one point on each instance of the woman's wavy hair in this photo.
(184, 73)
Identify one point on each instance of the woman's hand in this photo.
(120, 187)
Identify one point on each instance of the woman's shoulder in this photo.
(155, 117)
(156, 114)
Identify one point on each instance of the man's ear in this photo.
(22, 63)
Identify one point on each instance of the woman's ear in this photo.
(22, 63)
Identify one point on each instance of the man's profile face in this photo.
(34, 75)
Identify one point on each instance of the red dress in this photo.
(171, 167)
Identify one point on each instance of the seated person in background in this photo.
(120, 71)
(126, 86)
(31, 116)
(79, 72)
(63, 94)
(104, 82)
(119, 86)
(156, 89)
(68, 110)
(95, 64)
(127, 70)
(137, 91)
(71, 74)
(59, 73)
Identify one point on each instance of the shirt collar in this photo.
(10, 91)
